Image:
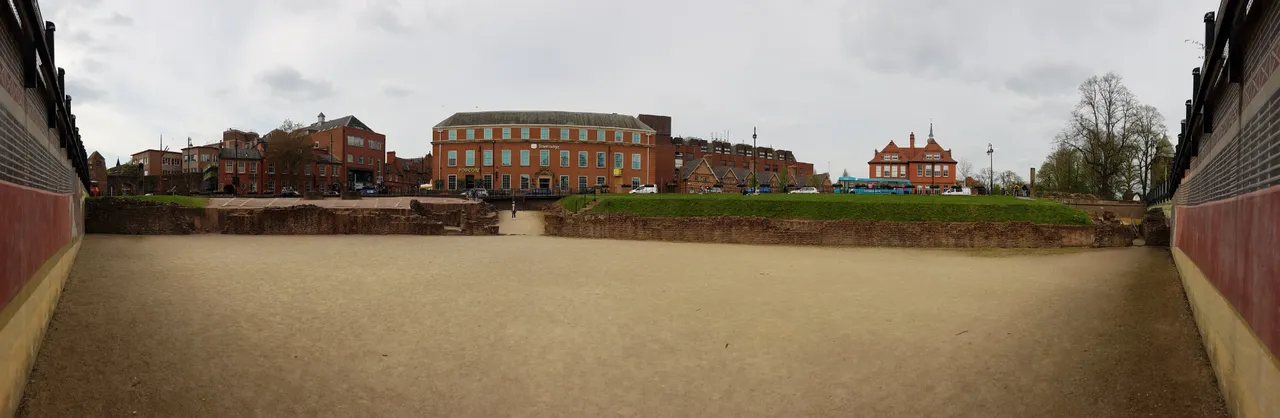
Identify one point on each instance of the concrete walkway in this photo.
(314, 326)
(526, 222)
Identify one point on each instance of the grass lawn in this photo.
(188, 201)
(910, 208)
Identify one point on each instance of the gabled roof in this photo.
(722, 172)
(543, 117)
(342, 121)
(95, 155)
(690, 166)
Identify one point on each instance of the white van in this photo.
(645, 189)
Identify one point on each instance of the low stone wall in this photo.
(138, 217)
(858, 233)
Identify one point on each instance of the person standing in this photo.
(513, 208)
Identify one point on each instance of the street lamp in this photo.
(991, 168)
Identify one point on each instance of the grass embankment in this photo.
(188, 201)
(912, 208)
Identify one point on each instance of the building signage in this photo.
(547, 146)
(469, 170)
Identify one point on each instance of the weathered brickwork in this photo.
(857, 233)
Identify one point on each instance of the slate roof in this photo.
(689, 166)
(544, 117)
(348, 120)
(239, 154)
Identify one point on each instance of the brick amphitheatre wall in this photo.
(858, 233)
(138, 217)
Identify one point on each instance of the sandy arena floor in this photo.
(372, 326)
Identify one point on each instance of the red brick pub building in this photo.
(928, 168)
(542, 150)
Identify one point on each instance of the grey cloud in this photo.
(288, 82)
(80, 37)
(396, 91)
(84, 92)
(384, 16)
(1047, 79)
(118, 19)
(92, 65)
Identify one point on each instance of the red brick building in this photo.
(244, 171)
(926, 167)
(157, 162)
(362, 151)
(674, 152)
(405, 175)
(196, 159)
(559, 151)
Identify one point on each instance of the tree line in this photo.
(1113, 145)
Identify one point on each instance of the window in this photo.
(337, 171)
(471, 134)
(946, 171)
(582, 134)
(322, 169)
(524, 158)
(488, 181)
(271, 168)
(928, 171)
(305, 171)
(544, 158)
(564, 134)
(453, 182)
(253, 187)
(524, 181)
(487, 158)
(600, 135)
(240, 167)
(506, 182)
(308, 188)
(506, 157)
(599, 180)
(635, 139)
(470, 156)
(635, 161)
(360, 159)
(375, 144)
(617, 160)
(600, 158)
(878, 173)
(635, 182)
(271, 186)
(617, 136)
(564, 158)
(582, 183)
(453, 159)
(356, 141)
(582, 159)
(229, 169)
(545, 134)
(506, 133)
(488, 133)
(350, 158)
(886, 158)
(524, 133)
(919, 170)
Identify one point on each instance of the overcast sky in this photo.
(831, 80)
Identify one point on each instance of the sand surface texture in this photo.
(391, 326)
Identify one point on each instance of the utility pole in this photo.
(754, 153)
(992, 168)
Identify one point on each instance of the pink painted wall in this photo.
(34, 225)
(1236, 243)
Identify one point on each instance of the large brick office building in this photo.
(926, 167)
(156, 162)
(348, 155)
(673, 153)
(523, 150)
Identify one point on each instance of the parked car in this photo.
(964, 191)
(645, 189)
(805, 190)
(715, 190)
(332, 193)
(288, 192)
(762, 189)
(368, 191)
(538, 192)
(476, 193)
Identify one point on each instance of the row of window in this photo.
(741, 153)
(356, 141)
(359, 159)
(922, 170)
(891, 157)
(566, 134)
(240, 166)
(203, 157)
(487, 182)
(544, 158)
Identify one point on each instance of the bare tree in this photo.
(1103, 129)
(1009, 180)
(1063, 171)
(1151, 134)
(965, 168)
(845, 173)
(289, 152)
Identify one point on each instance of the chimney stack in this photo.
(320, 118)
(913, 140)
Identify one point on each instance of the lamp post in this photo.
(991, 168)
